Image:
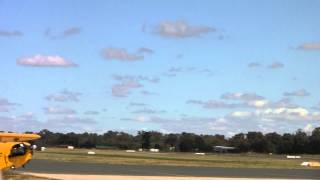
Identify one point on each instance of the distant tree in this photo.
(300, 142)
(171, 140)
(257, 142)
(240, 142)
(186, 142)
(286, 147)
(145, 139)
(314, 143)
(274, 141)
(156, 140)
(201, 145)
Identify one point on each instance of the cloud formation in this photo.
(91, 112)
(297, 93)
(4, 33)
(5, 105)
(214, 104)
(126, 83)
(45, 61)
(147, 111)
(242, 96)
(254, 65)
(276, 65)
(273, 66)
(174, 71)
(121, 54)
(64, 96)
(28, 122)
(310, 46)
(144, 50)
(181, 29)
(58, 110)
(64, 34)
(274, 114)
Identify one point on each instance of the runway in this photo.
(57, 167)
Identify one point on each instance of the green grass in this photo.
(175, 159)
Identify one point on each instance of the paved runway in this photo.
(57, 167)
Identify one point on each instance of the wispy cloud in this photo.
(174, 71)
(181, 29)
(254, 65)
(4, 33)
(148, 93)
(133, 104)
(45, 61)
(58, 110)
(123, 89)
(91, 112)
(144, 50)
(64, 34)
(242, 96)
(272, 66)
(214, 104)
(64, 96)
(147, 111)
(276, 65)
(121, 54)
(310, 46)
(5, 105)
(297, 93)
(126, 83)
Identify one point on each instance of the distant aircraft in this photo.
(15, 151)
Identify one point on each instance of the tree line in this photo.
(296, 143)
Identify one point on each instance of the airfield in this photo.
(114, 164)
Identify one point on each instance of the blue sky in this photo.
(198, 66)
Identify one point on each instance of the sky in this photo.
(207, 67)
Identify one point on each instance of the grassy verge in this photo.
(176, 159)
(17, 176)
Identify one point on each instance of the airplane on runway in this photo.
(15, 151)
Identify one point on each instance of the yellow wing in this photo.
(6, 137)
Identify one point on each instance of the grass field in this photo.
(175, 159)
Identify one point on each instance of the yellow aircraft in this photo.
(15, 151)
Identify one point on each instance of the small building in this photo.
(130, 151)
(154, 150)
(91, 152)
(223, 149)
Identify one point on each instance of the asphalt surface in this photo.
(58, 167)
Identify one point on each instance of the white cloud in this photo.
(64, 96)
(308, 128)
(181, 29)
(59, 110)
(298, 93)
(214, 104)
(5, 105)
(278, 114)
(147, 111)
(242, 96)
(123, 89)
(126, 83)
(45, 61)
